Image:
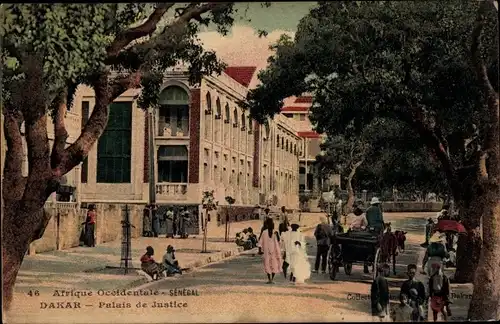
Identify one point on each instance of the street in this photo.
(234, 290)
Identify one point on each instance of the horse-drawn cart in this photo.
(354, 247)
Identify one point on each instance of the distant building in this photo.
(310, 180)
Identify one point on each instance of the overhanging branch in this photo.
(146, 29)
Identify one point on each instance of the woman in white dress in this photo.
(295, 254)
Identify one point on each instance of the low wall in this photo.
(65, 225)
(236, 213)
(410, 206)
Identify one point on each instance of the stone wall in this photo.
(410, 206)
(236, 214)
(65, 225)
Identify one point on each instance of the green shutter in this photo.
(114, 147)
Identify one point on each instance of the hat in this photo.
(170, 248)
(295, 226)
(437, 237)
(430, 219)
(374, 201)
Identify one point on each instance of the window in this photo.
(209, 103)
(85, 165)
(235, 113)
(243, 121)
(249, 123)
(288, 115)
(219, 109)
(302, 117)
(172, 163)
(228, 114)
(114, 147)
(277, 141)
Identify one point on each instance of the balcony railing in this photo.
(169, 130)
(171, 191)
(62, 205)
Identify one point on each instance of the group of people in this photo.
(414, 295)
(175, 224)
(283, 250)
(168, 267)
(372, 218)
(247, 239)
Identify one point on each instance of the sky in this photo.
(243, 47)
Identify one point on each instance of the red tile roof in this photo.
(304, 99)
(294, 108)
(309, 134)
(242, 74)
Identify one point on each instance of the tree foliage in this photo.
(408, 61)
(427, 64)
(48, 50)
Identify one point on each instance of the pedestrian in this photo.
(155, 220)
(149, 265)
(323, 233)
(169, 223)
(402, 312)
(439, 293)
(89, 237)
(413, 283)
(263, 228)
(288, 242)
(428, 231)
(436, 253)
(184, 218)
(375, 216)
(175, 224)
(170, 263)
(380, 293)
(271, 251)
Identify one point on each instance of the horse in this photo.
(391, 243)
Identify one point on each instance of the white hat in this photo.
(374, 201)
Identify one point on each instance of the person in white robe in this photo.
(294, 245)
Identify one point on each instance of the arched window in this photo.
(282, 143)
(235, 113)
(286, 145)
(243, 121)
(174, 95)
(208, 110)
(228, 114)
(219, 109)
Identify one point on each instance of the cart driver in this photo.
(374, 215)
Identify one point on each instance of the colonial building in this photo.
(310, 180)
(202, 141)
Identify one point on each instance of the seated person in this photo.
(374, 215)
(170, 263)
(360, 222)
(149, 265)
(252, 237)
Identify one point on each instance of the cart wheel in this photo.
(376, 262)
(332, 266)
(348, 268)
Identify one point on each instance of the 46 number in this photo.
(32, 293)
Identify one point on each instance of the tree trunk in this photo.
(469, 244)
(485, 303)
(350, 191)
